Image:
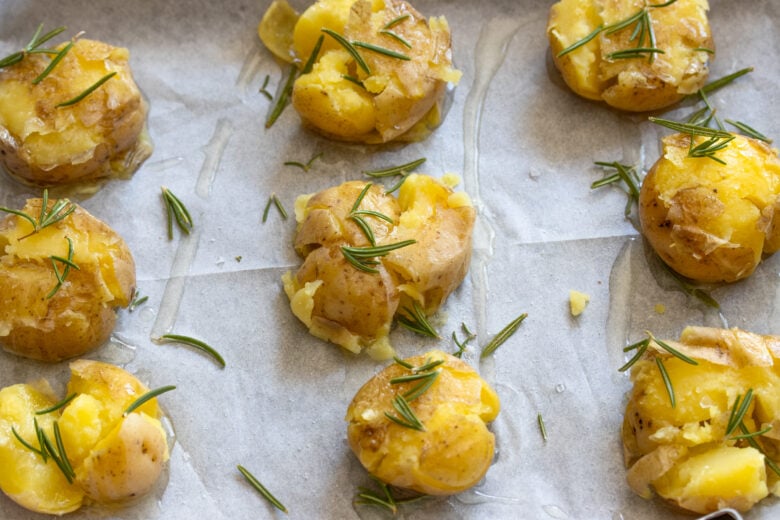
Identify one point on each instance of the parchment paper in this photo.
(524, 145)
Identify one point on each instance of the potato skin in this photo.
(712, 222)
(681, 453)
(80, 315)
(103, 134)
(397, 94)
(456, 448)
(355, 309)
(636, 84)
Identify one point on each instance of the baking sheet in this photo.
(524, 145)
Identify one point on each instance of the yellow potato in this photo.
(353, 308)
(37, 322)
(387, 99)
(637, 84)
(455, 448)
(102, 135)
(682, 452)
(113, 456)
(708, 221)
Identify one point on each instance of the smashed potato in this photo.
(708, 221)
(104, 134)
(355, 308)
(611, 67)
(43, 318)
(113, 456)
(452, 450)
(382, 95)
(684, 452)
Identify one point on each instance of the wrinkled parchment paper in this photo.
(524, 145)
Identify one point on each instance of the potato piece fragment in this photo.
(104, 134)
(455, 449)
(354, 308)
(647, 81)
(708, 221)
(683, 452)
(114, 456)
(38, 323)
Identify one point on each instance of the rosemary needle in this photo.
(397, 37)
(667, 381)
(273, 199)
(502, 336)
(88, 91)
(198, 344)
(349, 47)
(283, 98)
(261, 488)
(362, 258)
(136, 301)
(416, 321)
(542, 427)
(263, 90)
(395, 21)
(749, 131)
(738, 411)
(151, 394)
(381, 50)
(53, 63)
(395, 170)
(176, 209)
(55, 407)
(304, 166)
(64, 274)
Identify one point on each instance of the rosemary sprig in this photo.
(53, 63)
(709, 148)
(263, 89)
(425, 374)
(47, 217)
(395, 21)
(690, 129)
(381, 50)
(283, 99)
(89, 90)
(667, 381)
(136, 301)
(748, 130)
(691, 290)
(304, 166)
(151, 394)
(33, 47)
(64, 274)
(462, 344)
(738, 411)
(393, 171)
(416, 321)
(349, 47)
(385, 500)
(55, 450)
(362, 258)
(407, 417)
(261, 488)
(273, 199)
(717, 139)
(502, 336)
(193, 342)
(176, 209)
(55, 407)
(397, 37)
(357, 215)
(641, 348)
(626, 174)
(676, 353)
(542, 427)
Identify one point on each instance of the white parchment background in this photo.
(525, 147)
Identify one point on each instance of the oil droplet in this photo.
(617, 515)
(555, 512)
(560, 388)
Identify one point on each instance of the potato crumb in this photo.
(660, 308)
(577, 302)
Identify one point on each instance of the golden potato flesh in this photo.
(389, 95)
(353, 308)
(683, 452)
(454, 449)
(649, 81)
(708, 221)
(104, 134)
(113, 456)
(40, 323)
